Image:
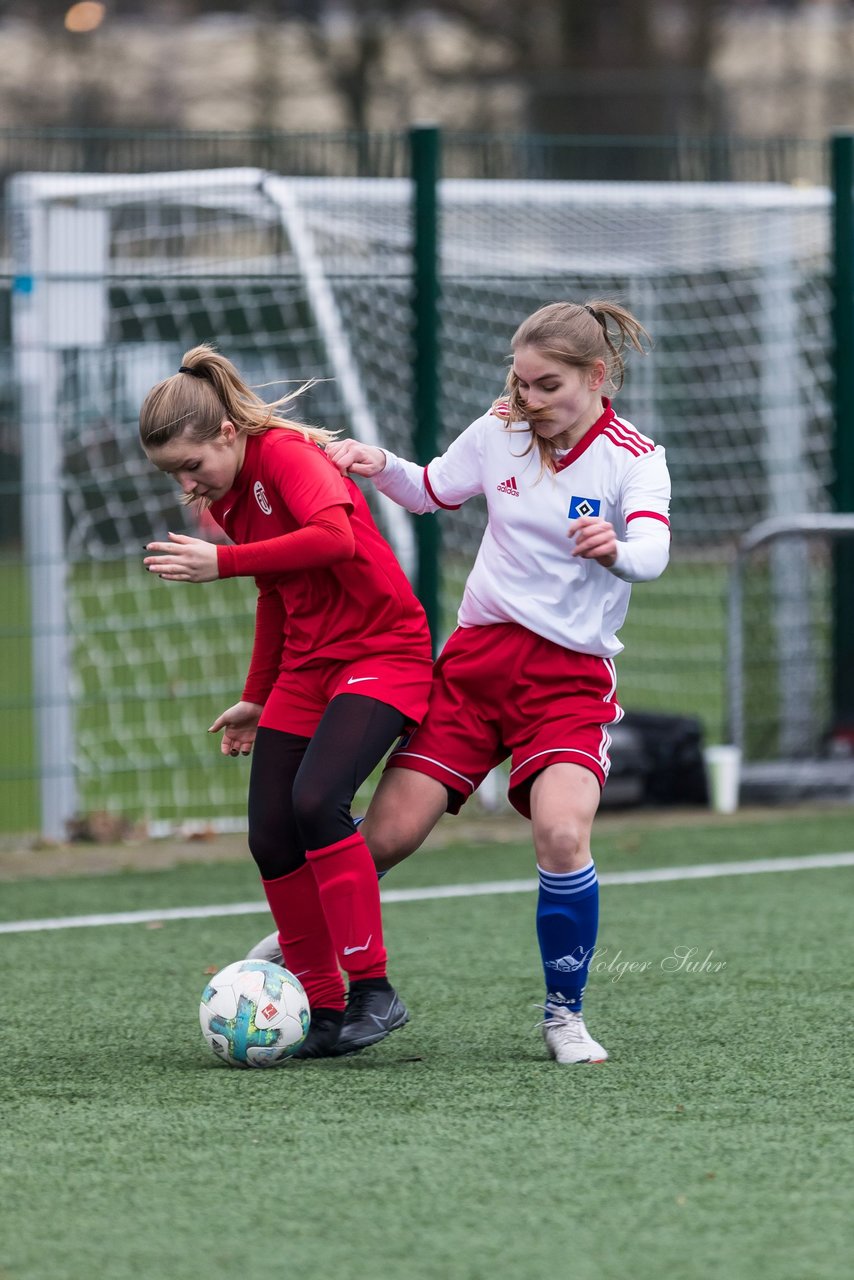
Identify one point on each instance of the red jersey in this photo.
(355, 607)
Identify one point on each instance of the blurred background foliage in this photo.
(751, 67)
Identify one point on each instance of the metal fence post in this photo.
(424, 141)
(768, 533)
(842, 169)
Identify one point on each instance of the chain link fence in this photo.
(294, 256)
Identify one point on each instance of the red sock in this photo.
(304, 938)
(350, 893)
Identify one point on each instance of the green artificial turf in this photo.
(621, 842)
(715, 1142)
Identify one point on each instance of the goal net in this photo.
(115, 276)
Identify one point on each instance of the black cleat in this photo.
(370, 1016)
(322, 1038)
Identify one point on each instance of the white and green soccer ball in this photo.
(254, 1014)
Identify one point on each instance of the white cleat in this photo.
(567, 1039)
(268, 949)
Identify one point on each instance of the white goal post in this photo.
(63, 261)
(115, 275)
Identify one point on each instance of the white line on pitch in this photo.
(653, 875)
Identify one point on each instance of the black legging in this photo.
(301, 789)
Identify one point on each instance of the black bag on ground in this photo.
(673, 751)
(626, 786)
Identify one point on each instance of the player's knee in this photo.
(261, 850)
(562, 845)
(321, 812)
(272, 855)
(389, 840)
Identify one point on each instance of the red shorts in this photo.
(299, 698)
(502, 691)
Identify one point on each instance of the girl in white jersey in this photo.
(578, 505)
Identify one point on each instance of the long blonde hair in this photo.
(576, 334)
(205, 391)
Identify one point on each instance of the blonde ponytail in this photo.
(208, 389)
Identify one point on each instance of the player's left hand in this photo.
(183, 559)
(594, 540)
(240, 723)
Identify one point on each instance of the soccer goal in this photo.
(115, 276)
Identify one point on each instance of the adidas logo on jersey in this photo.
(508, 486)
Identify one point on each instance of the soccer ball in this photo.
(254, 1014)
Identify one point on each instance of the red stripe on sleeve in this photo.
(631, 433)
(648, 515)
(438, 501)
(622, 444)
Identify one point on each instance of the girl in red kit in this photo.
(341, 666)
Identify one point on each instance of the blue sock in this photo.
(567, 923)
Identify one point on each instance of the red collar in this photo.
(606, 417)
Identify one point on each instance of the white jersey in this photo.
(525, 571)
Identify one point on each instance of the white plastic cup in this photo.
(723, 769)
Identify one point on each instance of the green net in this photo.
(312, 277)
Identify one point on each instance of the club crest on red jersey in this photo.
(262, 499)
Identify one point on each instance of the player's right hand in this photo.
(352, 457)
(240, 723)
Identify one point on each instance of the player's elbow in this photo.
(641, 560)
(653, 564)
(347, 544)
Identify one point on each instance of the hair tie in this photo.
(600, 320)
(196, 373)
